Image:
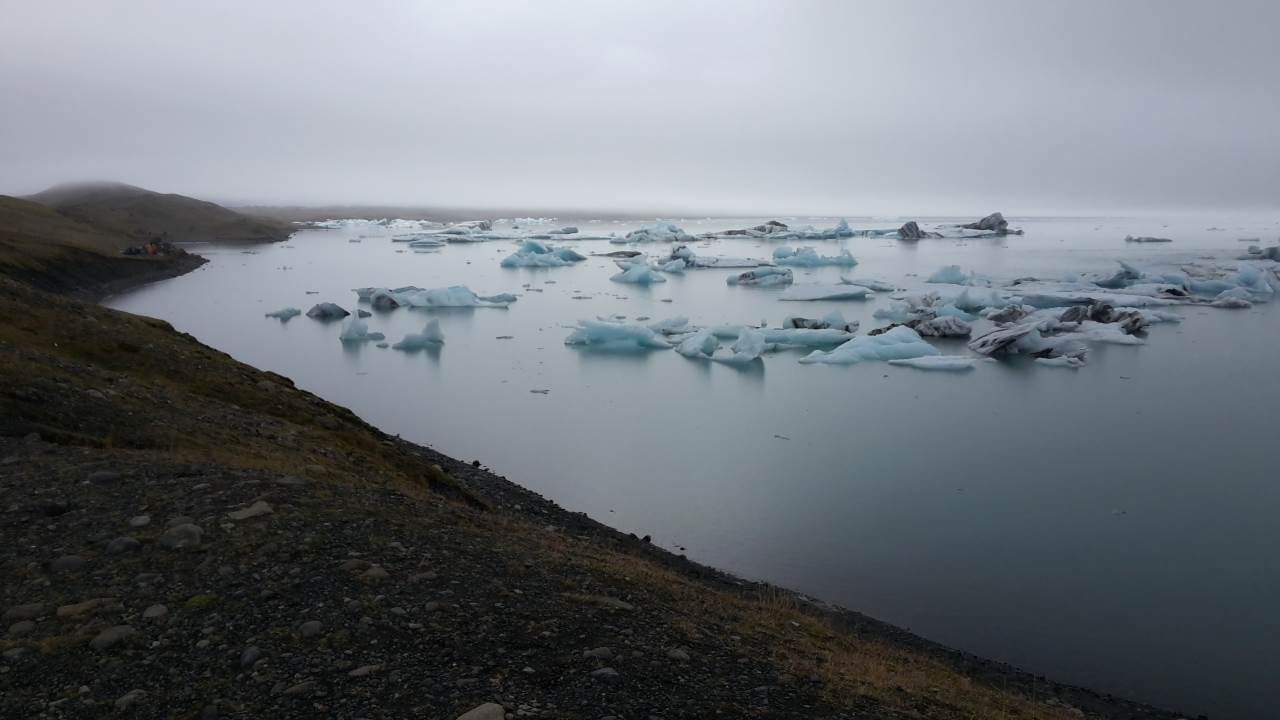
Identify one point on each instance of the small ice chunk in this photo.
(938, 362)
(284, 314)
(808, 337)
(801, 293)
(899, 343)
(429, 337)
(1146, 239)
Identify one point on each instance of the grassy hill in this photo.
(70, 238)
(143, 214)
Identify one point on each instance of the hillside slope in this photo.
(142, 214)
(51, 251)
(186, 536)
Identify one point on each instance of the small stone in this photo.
(355, 565)
(111, 636)
(374, 574)
(138, 521)
(600, 653)
(250, 656)
(364, 670)
(75, 610)
(185, 535)
(420, 577)
(180, 520)
(678, 655)
(260, 507)
(604, 673)
(123, 545)
(487, 711)
(21, 628)
(15, 654)
(103, 477)
(24, 612)
(155, 612)
(66, 564)
(311, 628)
(129, 699)
(302, 688)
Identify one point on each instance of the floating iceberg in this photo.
(356, 330)
(800, 293)
(899, 343)
(807, 337)
(834, 319)
(671, 326)
(938, 362)
(1146, 239)
(637, 274)
(326, 311)
(809, 257)
(746, 349)
(657, 232)
(870, 284)
(429, 337)
(284, 314)
(765, 276)
(457, 296)
(536, 254)
(605, 335)
(702, 343)
(384, 299)
(1062, 361)
(943, 326)
(951, 275)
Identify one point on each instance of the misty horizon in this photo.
(824, 109)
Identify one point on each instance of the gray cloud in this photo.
(755, 107)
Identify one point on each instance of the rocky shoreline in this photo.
(187, 536)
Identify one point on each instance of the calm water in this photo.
(1113, 526)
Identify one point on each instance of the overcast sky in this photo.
(750, 107)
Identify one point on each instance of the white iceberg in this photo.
(899, 343)
(800, 293)
(870, 283)
(702, 343)
(937, 362)
(457, 296)
(536, 254)
(951, 275)
(356, 330)
(637, 274)
(284, 314)
(1062, 361)
(765, 276)
(809, 257)
(657, 232)
(429, 337)
(746, 349)
(807, 337)
(615, 336)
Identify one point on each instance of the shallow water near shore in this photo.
(1112, 527)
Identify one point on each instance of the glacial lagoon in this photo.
(1112, 525)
